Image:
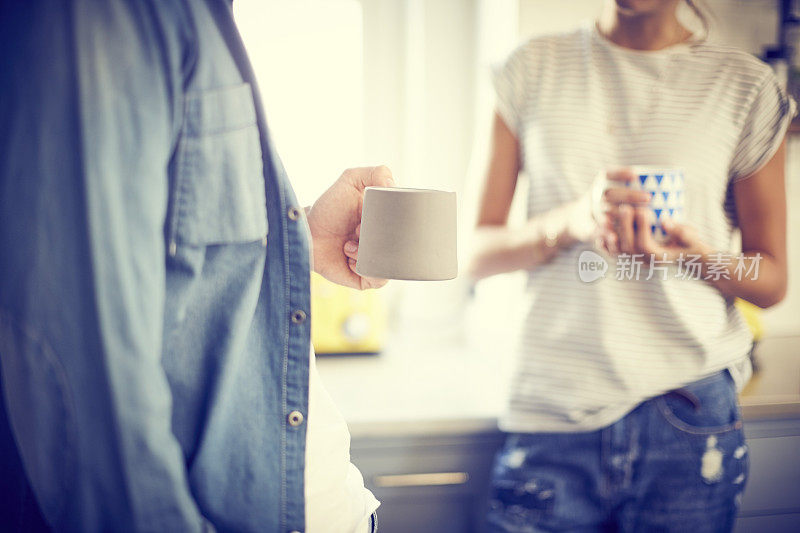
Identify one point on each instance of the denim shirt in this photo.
(154, 276)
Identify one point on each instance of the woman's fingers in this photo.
(616, 190)
(624, 229)
(679, 234)
(622, 174)
(607, 241)
(616, 195)
(644, 237)
(611, 189)
(612, 243)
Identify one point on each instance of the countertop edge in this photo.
(451, 427)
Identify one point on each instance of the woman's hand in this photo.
(335, 223)
(626, 220)
(628, 230)
(761, 210)
(613, 205)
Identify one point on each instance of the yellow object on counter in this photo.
(344, 320)
(752, 315)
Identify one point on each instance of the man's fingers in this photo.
(373, 283)
(381, 176)
(355, 281)
(351, 263)
(351, 250)
(362, 282)
(364, 177)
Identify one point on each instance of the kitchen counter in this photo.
(424, 427)
(415, 390)
(408, 390)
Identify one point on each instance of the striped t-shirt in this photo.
(578, 104)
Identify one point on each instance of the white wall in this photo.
(419, 63)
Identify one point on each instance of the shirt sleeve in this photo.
(87, 128)
(508, 79)
(767, 120)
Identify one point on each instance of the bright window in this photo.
(308, 59)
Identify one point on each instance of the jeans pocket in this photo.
(705, 407)
(218, 194)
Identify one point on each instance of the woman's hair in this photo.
(700, 14)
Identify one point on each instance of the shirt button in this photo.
(294, 213)
(299, 316)
(295, 418)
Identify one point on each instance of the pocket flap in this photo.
(219, 194)
(219, 110)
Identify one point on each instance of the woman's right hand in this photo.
(613, 203)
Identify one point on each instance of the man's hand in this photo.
(335, 222)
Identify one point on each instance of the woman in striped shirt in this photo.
(623, 410)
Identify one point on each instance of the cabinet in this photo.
(771, 501)
(428, 483)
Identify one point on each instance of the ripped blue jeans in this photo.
(678, 462)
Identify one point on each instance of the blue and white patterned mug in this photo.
(666, 186)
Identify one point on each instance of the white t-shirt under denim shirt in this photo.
(578, 104)
(336, 499)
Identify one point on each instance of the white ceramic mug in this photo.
(408, 234)
(666, 186)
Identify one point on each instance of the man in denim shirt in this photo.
(154, 275)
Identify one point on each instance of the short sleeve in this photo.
(508, 79)
(766, 123)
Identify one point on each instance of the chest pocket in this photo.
(219, 183)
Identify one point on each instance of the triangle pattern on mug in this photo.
(666, 195)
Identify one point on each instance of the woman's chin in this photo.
(640, 7)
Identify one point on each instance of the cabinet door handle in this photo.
(421, 480)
